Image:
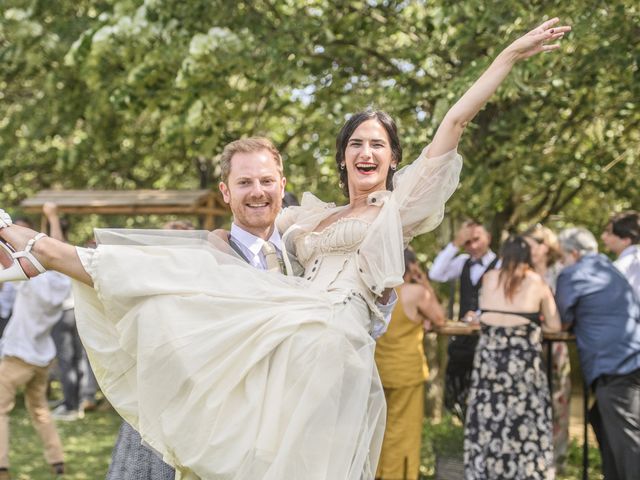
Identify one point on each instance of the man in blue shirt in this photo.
(597, 301)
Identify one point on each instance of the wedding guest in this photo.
(469, 268)
(79, 385)
(508, 425)
(598, 303)
(27, 353)
(545, 253)
(621, 236)
(403, 370)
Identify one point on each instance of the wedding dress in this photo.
(232, 373)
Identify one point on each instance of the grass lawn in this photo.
(88, 444)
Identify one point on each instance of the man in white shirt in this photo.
(7, 297)
(621, 236)
(468, 267)
(28, 350)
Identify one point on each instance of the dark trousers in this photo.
(3, 324)
(76, 377)
(615, 418)
(457, 381)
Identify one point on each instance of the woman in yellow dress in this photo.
(403, 370)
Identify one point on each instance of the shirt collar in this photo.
(487, 258)
(253, 243)
(630, 250)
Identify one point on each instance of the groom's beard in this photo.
(253, 213)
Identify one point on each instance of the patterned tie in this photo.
(274, 264)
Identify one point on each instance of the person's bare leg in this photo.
(51, 253)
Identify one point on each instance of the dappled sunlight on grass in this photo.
(87, 446)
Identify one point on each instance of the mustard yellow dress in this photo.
(403, 370)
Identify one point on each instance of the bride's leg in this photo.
(51, 253)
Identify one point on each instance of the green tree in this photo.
(132, 94)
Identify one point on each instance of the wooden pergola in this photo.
(204, 203)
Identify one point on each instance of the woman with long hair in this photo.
(545, 255)
(508, 424)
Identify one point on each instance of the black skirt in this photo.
(508, 430)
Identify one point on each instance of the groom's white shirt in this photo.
(251, 248)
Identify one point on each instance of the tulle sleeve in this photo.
(287, 217)
(307, 214)
(422, 189)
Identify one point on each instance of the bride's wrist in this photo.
(507, 57)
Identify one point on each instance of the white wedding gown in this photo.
(232, 373)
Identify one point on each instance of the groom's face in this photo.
(254, 191)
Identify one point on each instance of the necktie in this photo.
(271, 257)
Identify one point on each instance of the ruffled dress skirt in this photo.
(228, 372)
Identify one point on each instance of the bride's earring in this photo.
(342, 166)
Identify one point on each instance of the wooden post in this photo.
(208, 218)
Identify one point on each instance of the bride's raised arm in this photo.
(536, 41)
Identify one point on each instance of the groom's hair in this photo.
(247, 145)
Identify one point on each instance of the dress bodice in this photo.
(414, 206)
(328, 256)
(329, 261)
(340, 238)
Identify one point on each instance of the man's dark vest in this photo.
(462, 348)
(468, 291)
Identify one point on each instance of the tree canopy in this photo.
(128, 94)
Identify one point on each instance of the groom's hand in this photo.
(385, 297)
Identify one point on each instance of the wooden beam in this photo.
(134, 210)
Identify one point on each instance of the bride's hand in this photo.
(537, 40)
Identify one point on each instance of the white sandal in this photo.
(15, 272)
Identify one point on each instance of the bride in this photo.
(235, 374)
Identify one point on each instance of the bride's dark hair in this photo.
(515, 255)
(350, 126)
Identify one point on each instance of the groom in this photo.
(252, 184)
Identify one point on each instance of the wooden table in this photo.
(461, 328)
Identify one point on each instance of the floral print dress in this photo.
(508, 431)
